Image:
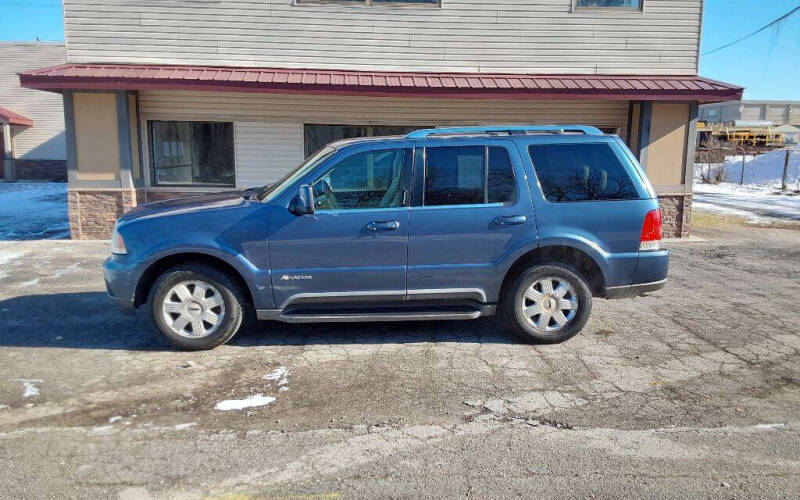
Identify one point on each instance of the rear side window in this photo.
(468, 175)
(581, 172)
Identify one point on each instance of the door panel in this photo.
(354, 248)
(333, 255)
(460, 250)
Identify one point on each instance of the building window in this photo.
(317, 137)
(468, 175)
(582, 172)
(191, 153)
(373, 3)
(608, 4)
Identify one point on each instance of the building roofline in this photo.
(99, 76)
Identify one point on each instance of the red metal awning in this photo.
(16, 119)
(461, 85)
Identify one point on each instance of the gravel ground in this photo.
(691, 391)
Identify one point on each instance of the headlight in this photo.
(117, 243)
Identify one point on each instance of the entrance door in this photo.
(471, 212)
(354, 247)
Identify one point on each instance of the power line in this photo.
(759, 30)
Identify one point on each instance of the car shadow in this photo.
(87, 320)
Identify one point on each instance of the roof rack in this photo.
(502, 130)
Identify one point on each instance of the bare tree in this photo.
(712, 152)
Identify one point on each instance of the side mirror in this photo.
(303, 203)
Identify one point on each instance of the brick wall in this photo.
(93, 212)
(44, 170)
(676, 215)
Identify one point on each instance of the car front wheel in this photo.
(196, 307)
(548, 303)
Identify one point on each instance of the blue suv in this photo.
(454, 223)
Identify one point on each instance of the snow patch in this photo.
(7, 257)
(29, 388)
(239, 404)
(181, 427)
(104, 429)
(756, 203)
(114, 419)
(770, 426)
(33, 211)
(4, 407)
(279, 374)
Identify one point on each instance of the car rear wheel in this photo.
(196, 307)
(548, 303)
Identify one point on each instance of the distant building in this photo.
(31, 123)
(777, 112)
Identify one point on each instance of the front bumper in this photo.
(122, 276)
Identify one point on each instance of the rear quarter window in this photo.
(581, 172)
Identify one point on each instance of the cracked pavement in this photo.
(692, 390)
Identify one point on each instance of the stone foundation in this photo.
(42, 170)
(676, 215)
(93, 212)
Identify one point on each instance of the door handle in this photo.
(391, 225)
(509, 220)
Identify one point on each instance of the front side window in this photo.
(371, 179)
(468, 175)
(581, 172)
(192, 153)
(609, 4)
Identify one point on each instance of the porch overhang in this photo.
(379, 84)
(14, 119)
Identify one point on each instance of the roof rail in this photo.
(500, 129)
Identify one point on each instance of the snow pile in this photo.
(756, 203)
(31, 210)
(765, 169)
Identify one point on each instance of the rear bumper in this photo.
(621, 292)
(650, 275)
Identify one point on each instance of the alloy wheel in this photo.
(549, 304)
(193, 309)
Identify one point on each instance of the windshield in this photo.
(273, 190)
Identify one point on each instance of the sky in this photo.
(768, 64)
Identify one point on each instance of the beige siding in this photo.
(519, 36)
(266, 151)
(45, 140)
(96, 139)
(666, 152)
(269, 127)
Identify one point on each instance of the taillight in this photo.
(651, 231)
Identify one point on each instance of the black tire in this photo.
(522, 327)
(233, 296)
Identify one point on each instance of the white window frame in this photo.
(368, 3)
(639, 9)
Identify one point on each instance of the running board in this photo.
(352, 317)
